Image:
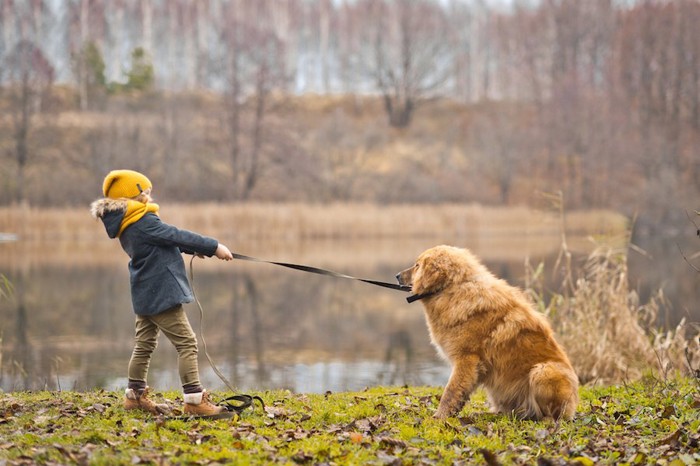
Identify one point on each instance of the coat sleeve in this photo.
(162, 234)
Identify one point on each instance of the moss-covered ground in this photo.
(651, 421)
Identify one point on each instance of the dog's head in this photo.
(438, 268)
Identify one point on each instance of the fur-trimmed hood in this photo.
(122, 212)
(111, 212)
(101, 206)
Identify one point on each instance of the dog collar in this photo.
(416, 297)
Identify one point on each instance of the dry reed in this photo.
(342, 235)
(297, 221)
(609, 335)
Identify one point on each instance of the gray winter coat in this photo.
(156, 269)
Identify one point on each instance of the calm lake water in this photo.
(69, 325)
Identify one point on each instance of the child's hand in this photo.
(223, 253)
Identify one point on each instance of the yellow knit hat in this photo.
(124, 183)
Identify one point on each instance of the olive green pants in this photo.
(176, 327)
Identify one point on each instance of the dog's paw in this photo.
(441, 414)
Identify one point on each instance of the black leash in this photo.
(316, 270)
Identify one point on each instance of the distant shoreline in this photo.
(305, 221)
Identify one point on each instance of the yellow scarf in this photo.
(134, 211)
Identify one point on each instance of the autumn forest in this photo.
(384, 101)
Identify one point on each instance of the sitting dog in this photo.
(492, 336)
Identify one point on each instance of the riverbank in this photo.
(650, 421)
(304, 221)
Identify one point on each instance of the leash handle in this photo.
(246, 401)
(318, 271)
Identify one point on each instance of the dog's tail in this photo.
(553, 391)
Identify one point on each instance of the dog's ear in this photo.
(429, 276)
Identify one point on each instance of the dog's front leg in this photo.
(462, 381)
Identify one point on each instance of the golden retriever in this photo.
(492, 336)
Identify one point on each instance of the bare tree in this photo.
(502, 143)
(86, 24)
(30, 76)
(89, 69)
(324, 25)
(253, 66)
(116, 11)
(347, 37)
(461, 31)
(410, 58)
(7, 14)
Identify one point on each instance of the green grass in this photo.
(646, 422)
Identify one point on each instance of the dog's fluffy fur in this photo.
(491, 335)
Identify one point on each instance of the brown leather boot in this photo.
(198, 404)
(138, 399)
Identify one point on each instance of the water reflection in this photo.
(70, 324)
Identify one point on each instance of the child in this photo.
(159, 286)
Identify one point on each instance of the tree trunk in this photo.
(261, 95)
(21, 133)
(399, 110)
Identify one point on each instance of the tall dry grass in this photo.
(610, 336)
(298, 221)
(339, 236)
